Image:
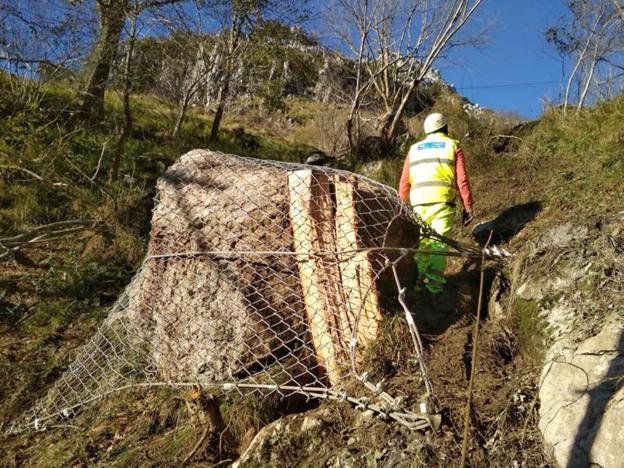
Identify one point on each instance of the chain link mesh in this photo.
(260, 276)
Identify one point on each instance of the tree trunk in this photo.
(390, 128)
(113, 174)
(566, 97)
(224, 91)
(588, 81)
(112, 17)
(212, 75)
(191, 85)
(223, 94)
(183, 106)
(354, 113)
(579, 61)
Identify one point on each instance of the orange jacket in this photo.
(461, 180)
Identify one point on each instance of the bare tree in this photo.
(126, 130)
(194, 78)
(185, 64)
(355, 25)
(40, 40)
(231, 46)
(592, 36)
(238, 20)
(395, 45)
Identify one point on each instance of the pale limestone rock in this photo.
(582, 400)
(564, 234)
(310, 424)
(530, 291)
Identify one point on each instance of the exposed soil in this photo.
(156, 427)
(504, 390)
(504, 410)
(503, 421)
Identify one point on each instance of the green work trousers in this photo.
(431, 266)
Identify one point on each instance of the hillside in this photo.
(54, 294)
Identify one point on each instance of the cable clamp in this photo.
(399, 402)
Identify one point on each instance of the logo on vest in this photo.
(431, 145)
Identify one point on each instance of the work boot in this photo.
(433, 287)
(419, 284)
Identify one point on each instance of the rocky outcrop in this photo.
(572, 283)
(582, 400)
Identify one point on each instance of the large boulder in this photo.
(228, 291)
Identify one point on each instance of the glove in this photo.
(467, 217)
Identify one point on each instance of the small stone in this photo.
(310, 423)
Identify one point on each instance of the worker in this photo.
(433, 173)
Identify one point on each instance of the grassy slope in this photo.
(47, 310)
(574, 165)
(52, 297)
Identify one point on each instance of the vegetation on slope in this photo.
(53, 168)
(53, 295)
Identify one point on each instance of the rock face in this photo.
(582, 400)
(574, 287)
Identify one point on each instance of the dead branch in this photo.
(99, 163)
(494, 137)
(40, 234)
(22, 169)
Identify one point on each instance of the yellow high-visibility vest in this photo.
(432, 170)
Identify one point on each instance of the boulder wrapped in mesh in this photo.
(258, 266)
(259, 275)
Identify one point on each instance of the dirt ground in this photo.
(503, 421)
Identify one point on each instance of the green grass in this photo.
(529, 329)
(577, 160)
(55, 298)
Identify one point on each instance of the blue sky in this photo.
(516, 54)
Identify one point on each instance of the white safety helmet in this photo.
(434, 122)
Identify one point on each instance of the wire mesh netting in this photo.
(260, 276)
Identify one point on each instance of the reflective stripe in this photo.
(433, 183)
(432, 170)
(450, 162)
(451, 204)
